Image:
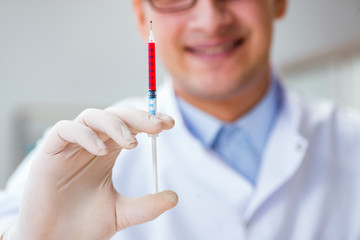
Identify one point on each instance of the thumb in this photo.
(133, 211)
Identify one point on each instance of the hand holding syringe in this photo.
(70, 180)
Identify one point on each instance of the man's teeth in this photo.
(214, 50)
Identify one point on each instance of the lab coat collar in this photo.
(283, 154)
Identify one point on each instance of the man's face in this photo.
(217, 47)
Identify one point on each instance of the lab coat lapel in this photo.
(283, 154)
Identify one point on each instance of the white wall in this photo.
(315, 27)
(58, 57)
(335, 77)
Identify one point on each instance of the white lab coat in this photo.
(308, 185)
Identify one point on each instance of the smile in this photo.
(216, 49)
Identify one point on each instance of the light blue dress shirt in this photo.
(252, 130)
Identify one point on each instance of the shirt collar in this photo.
(256, 124)
(201, 124)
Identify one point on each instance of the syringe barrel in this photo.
(152, 66)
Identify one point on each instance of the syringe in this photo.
(152, 103)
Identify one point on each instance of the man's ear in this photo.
(140, 18)
(280, 8)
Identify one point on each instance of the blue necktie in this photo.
(235, 150)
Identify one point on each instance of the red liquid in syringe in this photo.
(152, 73)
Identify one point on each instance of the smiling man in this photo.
(217, 52)
(249, 158)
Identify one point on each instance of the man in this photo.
(248, 158)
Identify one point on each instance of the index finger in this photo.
(142, 121)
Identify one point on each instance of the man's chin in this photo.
(213, 92)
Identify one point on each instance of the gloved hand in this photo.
(69, 193)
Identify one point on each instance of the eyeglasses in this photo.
(170, 6)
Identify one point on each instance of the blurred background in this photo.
(59, 57)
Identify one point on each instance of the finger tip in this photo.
(167, 120)
(168, 124)
(171, 124)
(132, 145)
(101, 152)
(171, 197)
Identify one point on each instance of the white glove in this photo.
(70, 194)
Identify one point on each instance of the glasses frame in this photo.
(170, 10)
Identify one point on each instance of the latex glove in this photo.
(70, 195)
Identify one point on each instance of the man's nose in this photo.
(211, 16)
